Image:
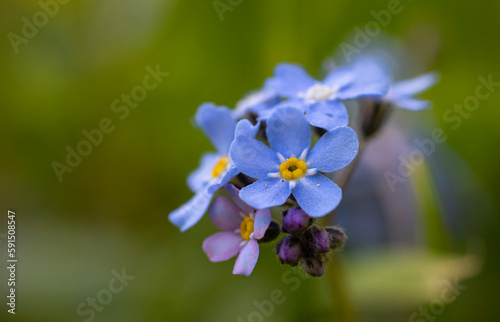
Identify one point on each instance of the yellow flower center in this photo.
(246, 228)
(220, 166)
(293, 169)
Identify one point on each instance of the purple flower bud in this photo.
(318, 240)
(338, 237)
(313, 265)
(289, 250)
(295, 221)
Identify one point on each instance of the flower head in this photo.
(242, 226)
(216, 169)
(289, 167)
(320, 100)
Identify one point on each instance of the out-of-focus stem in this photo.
(336, 278)
(372, 117)
(341, 298)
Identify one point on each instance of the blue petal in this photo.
(246, 128)
(340, 77)
(235, 195)
(218, 125)
(412, 104)
(246, 260)
(222, 246)
(334, 150)
(317, 195)
(266, 193)
(289, 80)
(288, 132)
(264, 115)
(262, 221)
(223, 178)
(256, 102)
(201, 176)
(358, 89)
(224, 214)
(191, 212)
(299, 104)
(413, 86)
(371, 68)
(328, 115)
(368, 78)
(253, 158)
(296, 103)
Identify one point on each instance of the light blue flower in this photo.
(216, 169)
(401, 93)
(321, 100)
(242, 227)
(289, 167)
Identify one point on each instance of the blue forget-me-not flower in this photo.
(321, 100)
(289, 167)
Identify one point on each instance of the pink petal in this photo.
(235, 195)
(247, 258)
(222, 246)
(224, 214)
(262, 221)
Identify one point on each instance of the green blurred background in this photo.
(111, 211)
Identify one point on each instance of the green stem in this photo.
(338, 287)
(336, 278)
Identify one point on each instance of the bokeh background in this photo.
(111, 211)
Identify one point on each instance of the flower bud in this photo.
(289, 250)
(271, 233)
(313, 265)
(338, 237)
(318, 240)
(295, 221)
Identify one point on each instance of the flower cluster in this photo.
(265, 159)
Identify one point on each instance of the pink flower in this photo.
(242, 226)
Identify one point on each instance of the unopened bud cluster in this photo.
(307, 244)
